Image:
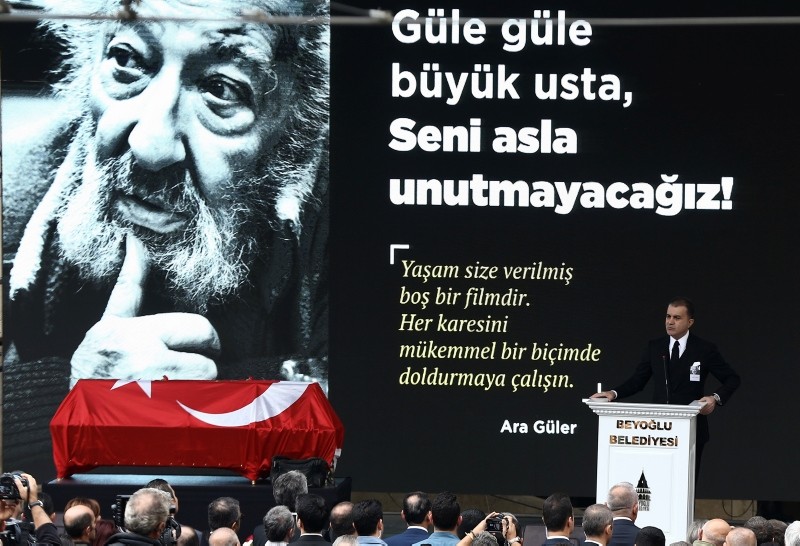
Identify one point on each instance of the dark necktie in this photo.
(676, 352)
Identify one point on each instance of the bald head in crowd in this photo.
(79, 523)
(741, 536)
(715, 531)
(224, 536)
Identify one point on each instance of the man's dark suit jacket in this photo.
(407, 537)
(624, 533)
(316, 540)
(679, 389)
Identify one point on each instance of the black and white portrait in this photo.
(165, 201)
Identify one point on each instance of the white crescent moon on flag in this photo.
(270, 403)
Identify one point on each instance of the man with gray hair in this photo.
(278, 526)
(287, 487)
(597, 524)
(285, 490)
(146, 517)
(170, 211)
(346, 540)
(484, 538)
(624, 505)
(792, 534)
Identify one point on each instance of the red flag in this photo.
(235, 425)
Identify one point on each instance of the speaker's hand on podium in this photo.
(710, 405)
(609, 395)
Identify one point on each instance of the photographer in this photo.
(146, 518)
(16, 488)
(503, 527)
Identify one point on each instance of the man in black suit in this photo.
(679, 364)
(312, 517)
(417, 514)
(558, 520)
(623, 501)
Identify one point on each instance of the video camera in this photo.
(19, 533)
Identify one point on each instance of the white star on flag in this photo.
(144, 385)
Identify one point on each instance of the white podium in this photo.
(653, 447)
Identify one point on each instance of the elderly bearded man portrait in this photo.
(171, 217)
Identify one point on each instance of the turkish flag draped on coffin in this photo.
(235, 425)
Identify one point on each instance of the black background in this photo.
(709, 101)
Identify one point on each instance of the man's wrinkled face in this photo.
(194, 95)
(176, 151)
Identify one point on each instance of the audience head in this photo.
(188, 537)
(741, 536)
(84, 501)
(778, 529)
(416, 509)
(368, 517)
(341, 520)
(469, 519)
(714, 531)
(147, 511)
(557, 513)
(484, 539)
(623, 500)
(513, 522)
(79, 522)
(279, 524)
(694, 530)
(312, 514)
(224, 512)
(445, 512)
(792, 535)
(761, 527)
(224, 536)
(597, 523)
(47, 505)
(650, 536)
(346, 540)
(286, 487)
(162, 485)
(104, 529)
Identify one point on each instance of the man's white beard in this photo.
(206, 261)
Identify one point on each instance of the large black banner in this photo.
(519, 190)
(516, 192)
